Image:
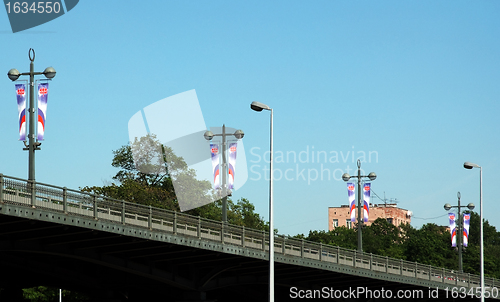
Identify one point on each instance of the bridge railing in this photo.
(72, 202)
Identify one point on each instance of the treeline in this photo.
(430, 244)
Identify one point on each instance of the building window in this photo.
(335, 223)
(389, 220)
(348, 223)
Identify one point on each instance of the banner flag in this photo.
(232, 164)
(21, 109)
(43, 90)
(352, 204)
(466, 229)
(366, 199)
(214, 149)
(453, 229)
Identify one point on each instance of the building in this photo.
(339, 216)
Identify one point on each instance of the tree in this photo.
(341, 236)
(491, 239)
(145, 178)
(383, 238)
(430, 245)
(49, 294)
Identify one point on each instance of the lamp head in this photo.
(346, 176)
(208, 135)
(13, 74)
(469, 165)
(239, 134)
(49, 72)
(259, 106)
(471, 206)
(447, 207)
(372, 176)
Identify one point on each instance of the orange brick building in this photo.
(339, 216)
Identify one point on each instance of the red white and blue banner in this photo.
(21, 109)
(352, 204)
(466, 229)
(453, 229)
(366, 201)
(232, 164)
(214, 149)
(43, 90)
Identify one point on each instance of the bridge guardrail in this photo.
(72, 202)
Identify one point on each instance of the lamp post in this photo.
(469, 165)
(208, 136)
(259, 107)
(33, 145)
(346, 177)
(448, 207)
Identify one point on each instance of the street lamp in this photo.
(259, 107)
(460, 224)
(33, 145)
(209, 136)
(469, 165)
(346, 177)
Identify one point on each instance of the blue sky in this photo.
(413, 82)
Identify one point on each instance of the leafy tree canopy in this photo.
(145, 178)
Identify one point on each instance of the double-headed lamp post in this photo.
(346, 177)
(469, 165)
(460, 232)
(208, 136)
(33, 145)
(259, 107)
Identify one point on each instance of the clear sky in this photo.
(414, 84)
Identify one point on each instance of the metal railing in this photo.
(72, 202)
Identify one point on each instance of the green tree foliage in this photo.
(431, 244)
(148, 181)
(49, 294)
(383, 238)
(491, 240)
(341, 236)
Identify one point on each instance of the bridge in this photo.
(119, 251)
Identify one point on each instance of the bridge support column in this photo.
(33, 192)
(284, 245)
(263, 241)
(371, 261)
(65, 200)
(150, 218)
(222, 233)
(174, 227)
(1, 187)
(95, 206)
(243, 236)
(123, 212)
(302, 249)
(198, 228)
(386, 264)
